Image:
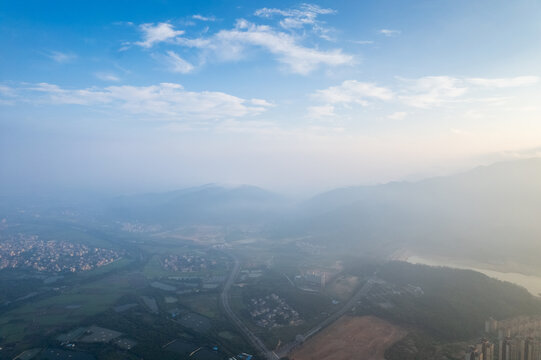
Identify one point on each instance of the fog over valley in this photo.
(271, 180)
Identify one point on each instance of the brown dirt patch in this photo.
(365, 338)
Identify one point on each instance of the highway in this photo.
(248, 334)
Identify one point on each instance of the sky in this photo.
(132, 96)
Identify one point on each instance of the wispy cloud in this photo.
(348, 93)
(505, 82)
(61, 57)
(321, 111)
(353, 92)
(165, 101)
(177, 64)
(107, 76)
(284, 42)
(424, 93)
(362, 42)
(432, 91)
(229, 45)
(203, 18)
(7, 95)
(389, 32)
(305, 14)
(157, 33)
(7, 91)
(399, 115)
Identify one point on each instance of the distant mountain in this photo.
(487, 214)
(208, 204)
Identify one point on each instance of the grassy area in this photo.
(312, 307)
(115, 265)
(204, 304)
(64, 309)
(154, 270)
(454, 303)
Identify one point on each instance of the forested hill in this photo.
(491, 212)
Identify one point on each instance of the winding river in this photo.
(531, 283)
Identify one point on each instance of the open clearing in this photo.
(364, 338)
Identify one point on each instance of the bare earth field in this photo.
(363, 338)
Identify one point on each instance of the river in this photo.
(531, 283)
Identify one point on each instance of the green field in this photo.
(154, 270)
(62, 310)
(205, 304)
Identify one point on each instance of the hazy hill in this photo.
(207, 204)
(489, 213)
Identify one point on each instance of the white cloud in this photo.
(231, 44)
(203, 18)
(7, 91)
(61, 57)
(432, 91)
(362, 42)
(261, 102)
(123, 23)
(389, 32)
(348, 93)
(306, 14)
(505, 82)
(353, 91)
(399, 115)
(322, 111)
(153, 34)
(178, 64)
(7, 95)
(105, 76)
(426, 93)
(166, 101)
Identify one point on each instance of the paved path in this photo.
(249, 335)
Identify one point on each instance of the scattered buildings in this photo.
(30, 252)
(95, 334)
(273, 311)
(188, 263)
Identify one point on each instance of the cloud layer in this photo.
(284, 42)
(165, 101)
(422, 93)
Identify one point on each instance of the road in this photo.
(362, 292)
(248, 334)
(286, 348)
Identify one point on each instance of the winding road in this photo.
(249, 335)
(362, 292)
(286, 348)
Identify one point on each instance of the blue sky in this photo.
(134, 96)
